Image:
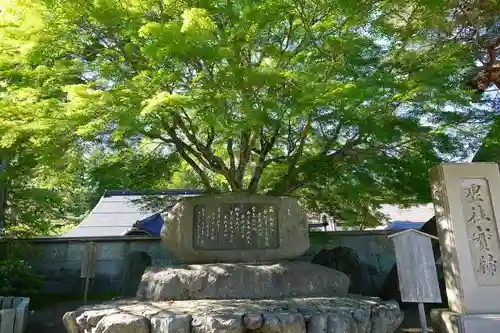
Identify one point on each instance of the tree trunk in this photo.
(3, 192)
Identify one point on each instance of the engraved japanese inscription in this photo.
(484, 243)
(234, 226)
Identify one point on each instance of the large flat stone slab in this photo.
(447, 321)
(241, 281)
(296, 315)
(236, 227)
(479, 323)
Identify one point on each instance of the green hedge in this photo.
(17, 278)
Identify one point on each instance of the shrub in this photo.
(17, 278)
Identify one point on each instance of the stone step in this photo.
(297, 315)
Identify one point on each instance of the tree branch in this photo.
(300, 149)
(210, 137)
(292, 180)
(287, 38)
(230, 152)
(182, 149)
(265, 148)
(246, 144)
(203, 176)
(3, 189)
(278, 159)
(215, 163)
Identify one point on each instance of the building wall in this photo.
(59, 260)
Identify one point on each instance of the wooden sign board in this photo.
(417, 274)
(88, 260)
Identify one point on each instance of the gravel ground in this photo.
(48, 319)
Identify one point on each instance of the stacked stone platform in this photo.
(294, 315)
(237, 278)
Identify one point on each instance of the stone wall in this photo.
(59, 259)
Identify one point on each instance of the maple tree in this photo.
(344, 105)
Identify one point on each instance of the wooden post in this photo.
(416, 267)
(87, 270)
(423, 319)
(86, 290)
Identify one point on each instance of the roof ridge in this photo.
(111, 193)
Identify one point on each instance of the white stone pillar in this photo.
(467, 205)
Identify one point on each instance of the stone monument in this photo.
(238, 276)
(467, 204)
(236, 228)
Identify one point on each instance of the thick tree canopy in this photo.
(344, 103)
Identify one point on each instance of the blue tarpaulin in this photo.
(152, 224)
(403, 225)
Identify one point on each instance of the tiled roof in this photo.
(117, 211)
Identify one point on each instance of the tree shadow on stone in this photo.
(346, 260)
(136, 264)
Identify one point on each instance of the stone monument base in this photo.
(355, 314)
(447, 321)
(241, 281)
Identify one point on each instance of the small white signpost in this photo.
(418, 282)
(88, 263)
